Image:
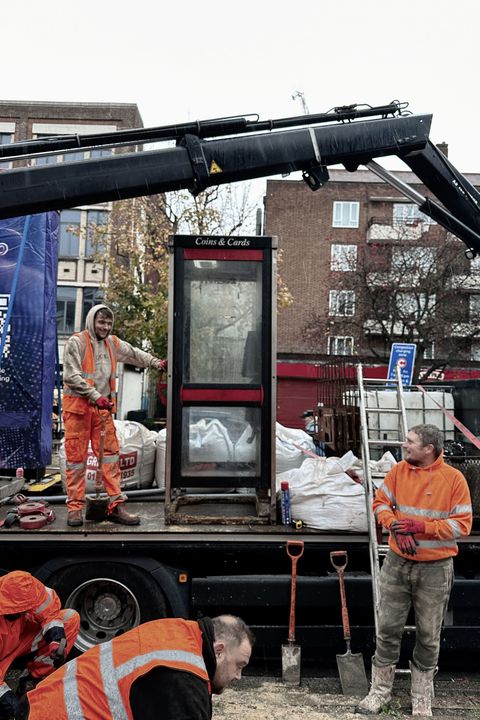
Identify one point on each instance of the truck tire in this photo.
(110, 598)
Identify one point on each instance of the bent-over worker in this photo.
(426, 506)
(89, 377)
(164, 668)
(33, 627)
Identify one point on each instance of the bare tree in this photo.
(406, 291)
(134, 248)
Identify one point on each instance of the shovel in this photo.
(351, 666)
(291, 653)
(96, 506)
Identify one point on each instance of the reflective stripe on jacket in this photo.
(96, 685)
(75, 403)
(437, 494)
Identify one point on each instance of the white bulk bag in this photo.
(289, 445)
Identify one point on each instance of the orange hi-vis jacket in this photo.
(437, 494)
(96, 685)
(75, 403)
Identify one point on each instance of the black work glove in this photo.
(8, 705)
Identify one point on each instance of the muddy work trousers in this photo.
(80, 428)
(424, 585)
(25, 640)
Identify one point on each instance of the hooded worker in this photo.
(33, 627)
(89, 379)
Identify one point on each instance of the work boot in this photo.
(120, 515)
(380, 690)
(422, 685)
(75, 518)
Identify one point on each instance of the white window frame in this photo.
(346, 214)
(409, 214)
(429, 352)
(343, 258)
(338, 344)
(341, 303)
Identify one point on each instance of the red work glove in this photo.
(103, 403)
(161, 365)
(406, 544)
(407, 525)
(57, 650)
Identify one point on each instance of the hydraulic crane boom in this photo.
(227, 150)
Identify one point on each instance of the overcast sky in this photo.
(189, 60)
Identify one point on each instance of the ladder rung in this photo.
(383, 410)
(385, 442)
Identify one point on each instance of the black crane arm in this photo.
(254, 149)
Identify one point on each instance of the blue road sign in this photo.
(402, 354)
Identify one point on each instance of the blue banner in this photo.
(28, 284)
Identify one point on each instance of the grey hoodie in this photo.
(74, 353)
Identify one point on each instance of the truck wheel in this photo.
(110, 598)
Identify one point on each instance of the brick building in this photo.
(79, 277)
(355, 224)
(325, 234)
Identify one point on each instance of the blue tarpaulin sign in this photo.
(402, 354)
(28, 338)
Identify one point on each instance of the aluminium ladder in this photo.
(376, 549)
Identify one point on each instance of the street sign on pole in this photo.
(403, 355)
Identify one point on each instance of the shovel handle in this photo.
(335, 557)
(294, 556)
(99, 472)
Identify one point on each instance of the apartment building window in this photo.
(429, 352)
(409, 214)
(95, 218)
(5, 139)
(414, 304)
(342, 303)
(343, 258)
(475, 265)
(101, 152)
(91, 296)
(413, 259)
(74, 157)
(345, 214)
(66, 299)
(47, 159)
(340, 345)
(69, 233)
(474, 302)
(475, 350)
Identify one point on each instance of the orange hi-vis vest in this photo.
(75, 403)
(96, 685)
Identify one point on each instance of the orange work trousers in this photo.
(25, 639)
(80, 428)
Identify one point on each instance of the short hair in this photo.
(430, 435)
(106, 312)
(232, 629)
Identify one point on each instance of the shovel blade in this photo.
(96, 508)
(353, 678)
(291, 661)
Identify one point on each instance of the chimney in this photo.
(443, 147)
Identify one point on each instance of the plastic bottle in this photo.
(285, 503)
